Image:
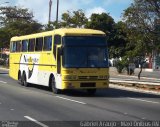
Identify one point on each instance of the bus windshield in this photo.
(90, 52)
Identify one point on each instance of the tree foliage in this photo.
(12, 14)
(118, 41)
(75, 19)
(102, 22)
(15, 22)
(143, 33)
(141, 18)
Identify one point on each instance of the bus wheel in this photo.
(24, 81)
(53, 85)
(91, 91)
(19, 78)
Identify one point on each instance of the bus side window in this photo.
(39, 44)
(47, 43)
(13, 46)
(57, 40)
(18, 47)
(31, 45)
(24, 45)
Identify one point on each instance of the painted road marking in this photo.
(70, 100)
(3, 82)
(154, 102)
(35, 121)
(12, 109)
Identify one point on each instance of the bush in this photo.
(2, 61)
(120, 66)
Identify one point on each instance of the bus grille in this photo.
(87, 77)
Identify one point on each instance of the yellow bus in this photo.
(70, 58)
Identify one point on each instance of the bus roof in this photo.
(62, 32)
(72, 31)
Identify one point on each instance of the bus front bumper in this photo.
(85, 84)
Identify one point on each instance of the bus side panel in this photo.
(29, 65)
(14, 65)
(47, 68)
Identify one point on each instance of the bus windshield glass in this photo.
(85, 52)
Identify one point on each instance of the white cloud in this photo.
(40, 8)
(100, 10)
(97, 10)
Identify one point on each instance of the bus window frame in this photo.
(22, 45)
(44, 43)
(20, 42)
(12, 47)
(36, 44)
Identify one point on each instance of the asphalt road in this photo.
(39, 104)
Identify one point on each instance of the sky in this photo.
(40, 8)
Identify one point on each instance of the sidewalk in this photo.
(4, 68)
(149, 80)
(146, 73)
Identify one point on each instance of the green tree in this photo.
(143, 35)
(52, 25)
(78, 19)
(118, 42)
(102, 22)
(140, 19)
(66, 19)
(75, 19)
(15, 22)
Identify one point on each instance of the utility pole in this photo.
(57, 11)
(50, 6)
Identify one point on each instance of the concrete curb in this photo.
(2, 68)
(136, 82)
(138, 85)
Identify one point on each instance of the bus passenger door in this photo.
(57, 55)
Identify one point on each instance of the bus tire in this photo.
(91, 91)
(19, 78)
(53, 86)
(24, 80)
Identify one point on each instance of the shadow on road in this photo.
(40, 87)
(111, 93)
(107, 93)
